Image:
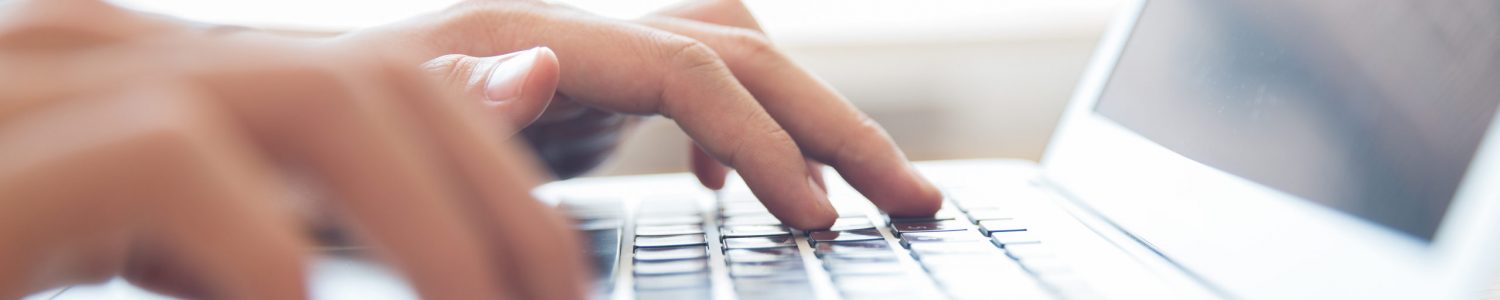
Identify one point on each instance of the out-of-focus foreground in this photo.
(949, 79)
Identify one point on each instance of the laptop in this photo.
(1266, 149)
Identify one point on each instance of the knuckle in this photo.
(692, 55)
(445, 64)
(749, 45)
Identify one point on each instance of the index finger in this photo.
(634, 69)
(824, 123)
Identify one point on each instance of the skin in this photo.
(193, 160)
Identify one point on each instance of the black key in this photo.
(930, 226)
(990, 214)
(869, 234)
(759, 242)
(939, 236)
(752, 230)
(674, 281)
(851, 247)
(844, 224)
(941, 215)
(1005, 238)
(670, 241)
(670, 253)
(991, 226)
(647, 268)
(762, 255)
(660, 230)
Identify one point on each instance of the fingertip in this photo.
(537, 87)
(924, 199)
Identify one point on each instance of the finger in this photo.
(826, 126)
(731, 13)
(517, 87)
(710, 172)
(548, 264)
(632, 69)
(816, 169)
(353, 136)
(173, 170)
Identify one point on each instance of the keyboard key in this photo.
(1013, 237)
(779, 268)
(941, 215)
(939, 236)
(990, 214)
(970, 264)
(670, 241)
(668, 213)
(760, 289)
(673, 220)
(645, 268)
(751, 220)
(752, 230)
(1045, 266)
(876, 284)
(674, 294)
(990, 226)
(670, 253)
(674, 281)
(930, 226)
(846, 268)
(869, 234)
(759, 242)
(1028, 251)
(851, 247)
(845, 224)
(863, 257)
(598, 224)
(659, 230)
(604, 252)
(760, 255)
(923, 250)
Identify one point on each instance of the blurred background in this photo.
(948, 78)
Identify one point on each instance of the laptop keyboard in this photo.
(675, 248)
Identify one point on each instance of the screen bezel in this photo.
(1254, 241)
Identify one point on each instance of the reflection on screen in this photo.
(1374, 108)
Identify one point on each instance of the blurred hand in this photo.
(706, 66)
(138, 145)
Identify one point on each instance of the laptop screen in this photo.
(1373, 108)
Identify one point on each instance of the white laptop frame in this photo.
(1252, 241)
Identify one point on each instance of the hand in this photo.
(142, 146)
(740, 99)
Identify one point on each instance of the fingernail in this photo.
(509, 76)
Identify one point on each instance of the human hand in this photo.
(737, 96)
(142, 146)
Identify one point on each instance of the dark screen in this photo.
(1373, 108)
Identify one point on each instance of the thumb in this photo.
(514, 87)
